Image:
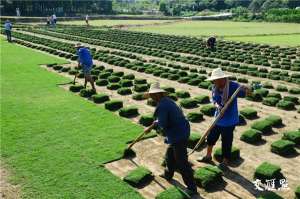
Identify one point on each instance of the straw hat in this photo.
(78, 45)
(154, 88)
(217, 74)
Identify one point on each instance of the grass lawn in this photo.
(110, 22)
(281, 40)
(53, 141)
(221, 28)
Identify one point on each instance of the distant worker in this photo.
(211, 42)
(172, 121)
(85, 62)
(54, 19)
(87, 20)
(48, 21)
(18, 12)
(8, 28)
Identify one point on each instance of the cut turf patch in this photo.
(265, 126)
(249, 113)
(138, 177)
(113, 105)
(235, 154)
(100, 98)
(202, 99)
(193, 139)
(267, 171)
(172, 193)
(283, 147)
(208, 176)
(128, 112)
(75, 88)
(195, 117)
(188, 103)
(146, 120)
(293, 136)
(86, 92)
(251, 136)
(208, 109)
(274, 120)
(270, 195)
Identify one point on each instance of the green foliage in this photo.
(251, 136)
(100, 98)
(138, 176)
(195, 117)
(208, 176)
(171, 193)
(114, 105)
(283, 147)
(267, 171)
(235, 154)
(208, 109)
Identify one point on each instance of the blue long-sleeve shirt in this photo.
(231, 115)
(8, 26)
(171, 119)
(85, 57)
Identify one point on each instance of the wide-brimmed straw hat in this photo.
(78, 45)
(217, 74)
(154, 88)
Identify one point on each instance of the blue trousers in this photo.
(226, 133)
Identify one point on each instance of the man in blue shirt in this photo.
(177, 130)
(7, 28)
(85, 62)
(222, 90)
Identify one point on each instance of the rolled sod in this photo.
(183, 94)
(146, 120)
(101, 82)
(100, 98)
(248, 113)
(293, 99)
(275, 120)
(293, 136)
(113, 86)
(235, 154)
(113, 105)
(138, 176)
(283, 147)
(140, 81)
(172, 193)
(128, 112)
(195, 117)
(297, 192)
(208, 109)
(75, 88)
(141, 87)
(265, 126)
(126, 83)
(202, 99)
(267, 171)
(208, 176)
(242, 120)
(151, 102)
(87, 92)
(138, 96)
(270, 101)
(173, 96)
(124, 91)
(193, 139)
(188, 103)
(285, 105)
(251, 136)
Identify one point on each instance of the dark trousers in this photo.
(176, 158)
(8, 35)
(227, 138)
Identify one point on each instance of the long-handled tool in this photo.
(128, 152)
(216, 120)
(71, 82)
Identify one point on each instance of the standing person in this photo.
(177, 130)
(85, 62)
(54, 19)
(18, 12)
(48, 21)
(222, 90)
(87, 20)
(211, 42)
(8, 28)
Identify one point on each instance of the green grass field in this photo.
(108, 22)
(281, 40)
(53, 141)
(221, 28)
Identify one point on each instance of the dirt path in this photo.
(8, 190)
